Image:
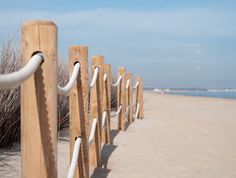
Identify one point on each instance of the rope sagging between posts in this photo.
(95, 76)
(16, 78)
(136, 85)
(92, 132)
(39, 92)
(137, 111)
(127, 84)
(105, 77)
(74, 159)
(104, 115)
(117, 112)
(66, 89)
(117, 82)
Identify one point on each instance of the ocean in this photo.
(225, 93)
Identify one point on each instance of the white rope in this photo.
(95, 76)
(137, 111)
(136, 85)
(117, 82)
(104, 114)
(104, 77)
(127, 84)
(66, 89)
(15, 78)
(117, 112)
(92, 132)
(74, 159)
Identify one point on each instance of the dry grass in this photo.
(113, 96)
(63, 101)
(10, 60)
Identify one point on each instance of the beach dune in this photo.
(180, 137)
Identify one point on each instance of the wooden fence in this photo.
(90, 105)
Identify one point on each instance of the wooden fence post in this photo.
(122, 99)
(79, 109)
(39, 102)
(107, 103)
(96, 107)
(130, 98)
(139, 97)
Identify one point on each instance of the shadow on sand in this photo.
(107, 150)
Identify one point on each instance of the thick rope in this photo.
(66, 89)
(74, 159)
(95, 76)
(104, 115)
(92, 132)
(127, 84)
(15, 78)
(137, 111)
(136, 85)
(104, 77)
(117, 112)
(117, 82)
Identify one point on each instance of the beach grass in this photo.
(11, 60)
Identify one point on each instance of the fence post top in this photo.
(138, 78)
(78, 53)
(39, 22)
(122, 70)
(78, 46)
(98, 59)
(107, 65)
(129, 74)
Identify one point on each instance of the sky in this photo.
(171, 44)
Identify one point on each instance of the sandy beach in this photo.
(180, 137)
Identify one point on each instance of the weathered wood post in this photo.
(139, 97)
(79, 109)
(121, 98)
(96, 107)
(129, 91)
(39, 102)
(107, 103)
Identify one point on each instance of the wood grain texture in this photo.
(121, 98)
(96, 109)
(129, 96)
(39, 102)
(79, 109)
(139, 97)
(107, 104)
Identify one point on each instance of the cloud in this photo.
(163, 43)
(167, 32)
(185, 22)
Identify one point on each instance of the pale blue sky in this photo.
(169, 43)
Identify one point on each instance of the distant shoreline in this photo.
(212, 93)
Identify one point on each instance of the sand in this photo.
(180, 137)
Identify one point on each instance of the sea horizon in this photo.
(225, 93)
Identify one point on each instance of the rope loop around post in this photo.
(104, 115)
(117, 82)
(137, 111)
(74, 159)
(95, 76)
(92, 132)
(104, 77)
(66, 89)
(16, 78)
(117, 112)
(136, 85)
(127, 84)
